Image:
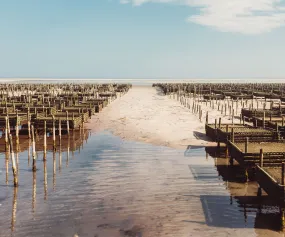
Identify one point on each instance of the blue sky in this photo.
(142, 38)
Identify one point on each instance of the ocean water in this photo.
(104, 186)
(140, 82)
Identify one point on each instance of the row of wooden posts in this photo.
(273, 90)
(197, 107)
(31, 135)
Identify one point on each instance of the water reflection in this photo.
(60, 158)
(45, 179)
(116, 188)
(29, 151)
(17, 155)
(54, 170)
(67, 153)
(34, 191)
(7, 156)
(14, 208)
(267, 212)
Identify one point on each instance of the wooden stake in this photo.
(59, 130)
(29, 125)
(14, 168)
(283, 174)
(263, 120)
(246, 145)
(67, 123)
(6, 133)
(17, 127)
(34, 149)
(45, 140)
(261, 158)
(233, 136)
(53, 132)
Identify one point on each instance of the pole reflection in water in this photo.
(78, 147)
(82, 138)
(17, 157)
(73, 144)
(45, 180)
(34, 191)
(67, 153)
(60, 158)
(29, 152)
(54, 170)
(7, 156)
(14, 209)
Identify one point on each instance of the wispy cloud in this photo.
(242, 16)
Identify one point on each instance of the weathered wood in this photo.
(261, 158)
(34, 149)
(14, 168)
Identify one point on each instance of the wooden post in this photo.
(17, 128)
(215, 123)
(246, 145)
(220, 122)
(59, 130)
(45, 140)
(233, 115)
(6, 133)
(283, 174)
(82, 120)
(67, 123)
(14, 168)
(282, 121)
(207, 118)
(263, 120)
(29, 124)
(34, 149)
(53, 132)
(233, 135)
(261, 158)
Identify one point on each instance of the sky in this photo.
(142, 39)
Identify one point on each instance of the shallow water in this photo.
(112, 187)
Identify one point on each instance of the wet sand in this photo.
(112, 187)
(145, 114)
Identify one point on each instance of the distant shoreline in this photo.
(142, 81)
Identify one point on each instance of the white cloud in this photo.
(242, 16)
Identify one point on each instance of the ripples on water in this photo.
(112, 187)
